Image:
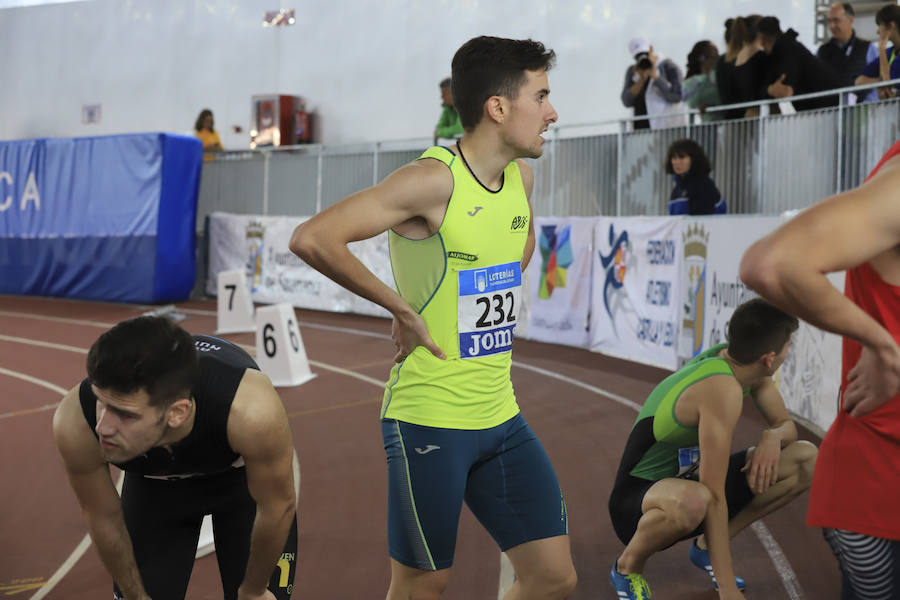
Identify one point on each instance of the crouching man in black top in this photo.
(198, 430)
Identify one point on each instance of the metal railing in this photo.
(762, 165)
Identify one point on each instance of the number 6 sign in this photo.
(279, 348)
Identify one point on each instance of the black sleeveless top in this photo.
(205, 450)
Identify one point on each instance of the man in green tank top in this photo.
(677, 479)
(460, 231)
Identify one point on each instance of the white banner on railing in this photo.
(259, 245)
(634, 303)
(712, 289)
(559, 280)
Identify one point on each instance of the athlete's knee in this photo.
(424, 585)
(689, 508)
(804, 454)
(552, 582)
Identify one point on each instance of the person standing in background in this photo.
(448, 126)
(205, 130)
(845, 53)
(653, 88)
(700, 89)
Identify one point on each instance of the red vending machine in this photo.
(278, 120)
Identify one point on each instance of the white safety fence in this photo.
(656, 290)
(762, 165)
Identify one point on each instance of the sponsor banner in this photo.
(712, 289)
(259, 245)
(558, 282)
(634, 302)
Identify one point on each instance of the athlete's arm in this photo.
(416, 193)
(528, 182)
(719, 408)
(258, 430)
(89, 477)
(762, 468)
(788, 268)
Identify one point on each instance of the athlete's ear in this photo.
(178, 412)
(496, 108)
(768, 359)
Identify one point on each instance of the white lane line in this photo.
(85, 543)
(21, 315)
(577, 383)
(787, 573)
(30, 342)
(35, 381)
(76, 555)
(782, 566)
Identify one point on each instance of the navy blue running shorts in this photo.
(502, 473)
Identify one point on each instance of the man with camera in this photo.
(653, 88)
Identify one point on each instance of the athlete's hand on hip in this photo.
(408, 331)
(244, 595)
(873, 381)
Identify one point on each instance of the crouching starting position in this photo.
(676, 480)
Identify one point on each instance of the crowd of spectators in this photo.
(761, 62)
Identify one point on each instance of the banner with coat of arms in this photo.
(558, 280)
(635, 291)
(259, 245)
(810, 376)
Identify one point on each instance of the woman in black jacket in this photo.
(694, 192)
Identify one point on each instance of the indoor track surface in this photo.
(580, 404)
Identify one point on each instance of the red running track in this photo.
(565, 394)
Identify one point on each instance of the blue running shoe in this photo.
(700, 558)
(629, 587)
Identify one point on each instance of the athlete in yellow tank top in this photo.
(460, 234)
(465, 281)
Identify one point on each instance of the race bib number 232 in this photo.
(489, 303)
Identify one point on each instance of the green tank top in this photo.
(658, 454)
(466, 282)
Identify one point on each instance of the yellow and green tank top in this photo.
(465, 281)
(660, 446)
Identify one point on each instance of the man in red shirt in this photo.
(856, 486)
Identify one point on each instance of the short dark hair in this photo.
(686, 147)
(198, 124)
(756, 328)
(149, 353)
(887, 15)
(848, 9)
(769, 27)
(491, 66)
(445, 83)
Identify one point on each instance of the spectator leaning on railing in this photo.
(653, 88)
(845, 53)
(792, 70)
(750, 63)
(699, 90)
(885, 67)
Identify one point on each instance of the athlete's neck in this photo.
(745, 374)
(486, 156)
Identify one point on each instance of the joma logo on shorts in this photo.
(519, 223)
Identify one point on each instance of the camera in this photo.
(643, 61)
